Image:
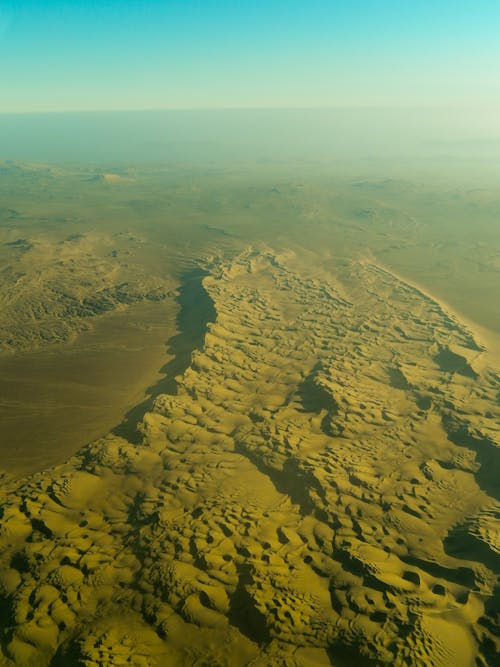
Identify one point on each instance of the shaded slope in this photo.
(196, 311)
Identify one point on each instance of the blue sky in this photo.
(104, 55)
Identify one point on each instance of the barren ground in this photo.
(248, 418)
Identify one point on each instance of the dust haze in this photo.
(250, 389)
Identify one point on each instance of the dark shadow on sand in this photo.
(196, 311)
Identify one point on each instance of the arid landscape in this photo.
(250, 415)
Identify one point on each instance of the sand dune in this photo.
(316, 486)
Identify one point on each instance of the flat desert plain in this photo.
(250, 416)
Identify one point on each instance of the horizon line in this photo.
(436, 107)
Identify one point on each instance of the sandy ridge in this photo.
(293, 500)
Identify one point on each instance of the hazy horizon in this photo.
(422, 143)
(249, 333)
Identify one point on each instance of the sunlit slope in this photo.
(318, 486)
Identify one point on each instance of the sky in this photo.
(221, 54)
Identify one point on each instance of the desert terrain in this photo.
(250, 415)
